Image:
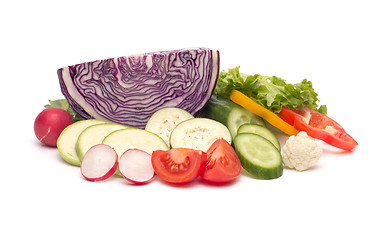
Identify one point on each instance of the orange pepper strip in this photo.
(246, 102)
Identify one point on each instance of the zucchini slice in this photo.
(130, 138)
(66, 143)
(133, 138)
(93, 135)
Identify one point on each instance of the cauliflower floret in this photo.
(301, 152)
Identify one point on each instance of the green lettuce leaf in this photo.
(63, 104)
(271, 92)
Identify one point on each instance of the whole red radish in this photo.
(50, 123)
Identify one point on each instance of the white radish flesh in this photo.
(99, 163)
(135, 166)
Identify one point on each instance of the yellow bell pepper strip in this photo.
(246, 102)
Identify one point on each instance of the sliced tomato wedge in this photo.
(178, 165)
(223, 164)
(319, 126)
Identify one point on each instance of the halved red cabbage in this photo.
(128, 90)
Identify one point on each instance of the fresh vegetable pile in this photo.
(173, 114)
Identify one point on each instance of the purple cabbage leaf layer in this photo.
(128, 90)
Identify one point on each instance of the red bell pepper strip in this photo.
(319, 126)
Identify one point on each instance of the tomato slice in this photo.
(319, 126)
(178, 165)
(223, 164)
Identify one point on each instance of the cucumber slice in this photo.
(93, 135)
(130, 138)
(258, 156)
(66, 143)
(260, 130)
(239, 116)
(198, 133)
(229, 113)
(163, 121)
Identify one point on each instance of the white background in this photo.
(330, 43)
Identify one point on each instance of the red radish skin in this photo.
(135, 166)
(99, 163)
(50, 123)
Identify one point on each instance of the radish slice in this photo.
(99, 163)
(135, 166)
